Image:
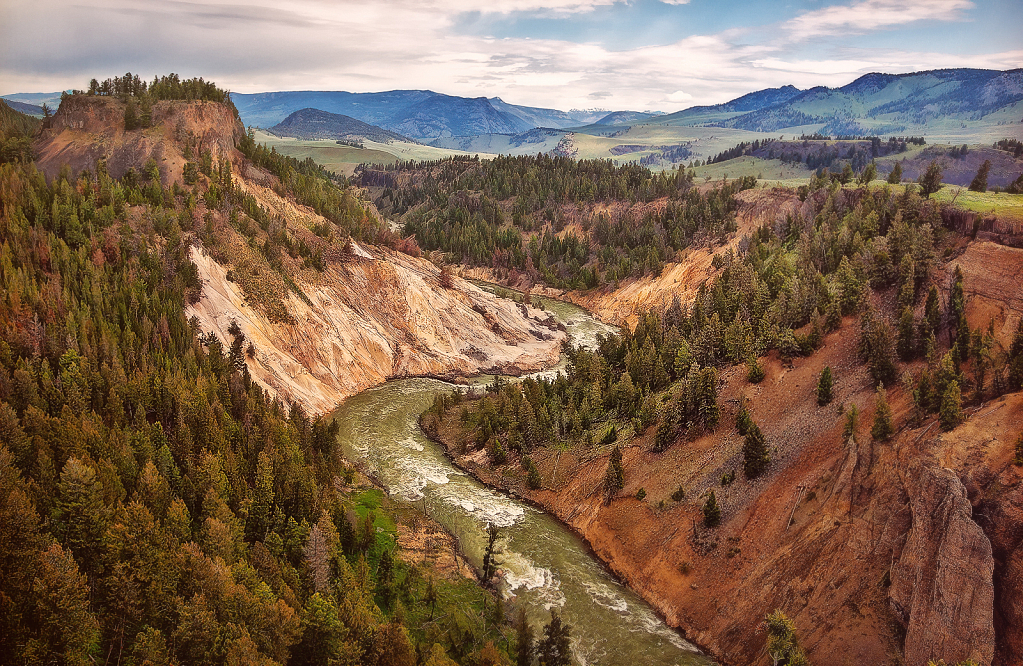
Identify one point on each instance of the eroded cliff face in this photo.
(942, 583)
(379, 316)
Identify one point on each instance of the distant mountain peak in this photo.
(310, 123)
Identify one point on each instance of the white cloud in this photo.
(873, 15)
(372, 45)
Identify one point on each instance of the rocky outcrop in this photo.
(943, 582)
(87, 129)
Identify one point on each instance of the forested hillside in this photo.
(839, 383)
(789, 288)
(156, 505)
(563, 222)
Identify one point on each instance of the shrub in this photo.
(640, 494)
(680, 492)
(447, 278)
(782, 642)
(754, 371)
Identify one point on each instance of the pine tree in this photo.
(930, 180)
(852, 421)
(131, 116)
(895, 177)
(755, 457)
(979, 182)
(824, 396)
(614, 478)
(533, 479)
(79, 517)
(951, 407)
(932, 311)
(524, 647)
(1015, 360)
(66, 630)
(554, 649)
(711, 511)
(906, 344)
(868, 174)
(876, 346)
(883, 427)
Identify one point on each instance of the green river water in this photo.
(545, 566)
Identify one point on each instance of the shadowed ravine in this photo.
(543, 563)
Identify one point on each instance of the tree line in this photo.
(168, 87)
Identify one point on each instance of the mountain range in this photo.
(421, 114)
(876, 103)
(872, 104)
(33, 108)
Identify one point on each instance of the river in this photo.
(545, 565)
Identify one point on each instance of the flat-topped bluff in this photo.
(86, 129)
(321, 315)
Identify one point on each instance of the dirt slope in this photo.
(894, 551)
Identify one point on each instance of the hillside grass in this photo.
(325, 152)
(769, 170)
(343, 159)
(1002, 205)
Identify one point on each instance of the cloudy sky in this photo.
(636, 54)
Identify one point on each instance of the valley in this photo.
(413, 379)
